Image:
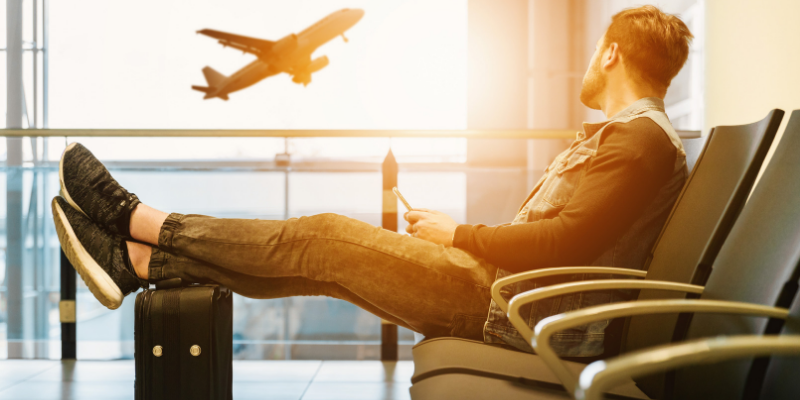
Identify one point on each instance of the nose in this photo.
(357, 14)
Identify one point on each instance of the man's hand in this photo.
(430, 225)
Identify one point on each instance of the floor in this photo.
(273, 380)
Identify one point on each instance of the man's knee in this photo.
(327, 225)
(335, 226)
(325, 221)
(327, 218)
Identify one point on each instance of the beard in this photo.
(594, 83)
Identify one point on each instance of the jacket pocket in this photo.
(568, 175)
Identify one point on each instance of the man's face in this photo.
(594, 82)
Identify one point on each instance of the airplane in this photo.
(291, 54)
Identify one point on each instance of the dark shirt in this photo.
(633, 162)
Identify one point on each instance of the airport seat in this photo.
(775, 378)
(757, 267)
(777, 359)
(693, 147)
(597, 378)
(466, 369)
(712, 197)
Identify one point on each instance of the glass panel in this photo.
(308, 327)
(357, 195)
(299, 327)
(106, 334)
(133, 76)
(405, 150)
(3, 26)
(3, 82)
(29, 322)
(174, 149)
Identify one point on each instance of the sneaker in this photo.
(100, 257)
(88, 187)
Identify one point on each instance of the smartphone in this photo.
(402, 199)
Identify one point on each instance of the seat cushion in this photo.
(470, 387)
(472, 360)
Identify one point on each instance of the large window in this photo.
(122, 66)
(113, 65)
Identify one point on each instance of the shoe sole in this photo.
(99, 282)
(64, 192)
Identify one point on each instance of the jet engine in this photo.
(304, 75)
(317, 64)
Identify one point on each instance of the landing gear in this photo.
(305, 79)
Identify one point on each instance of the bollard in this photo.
(389, 222)
(66, 308)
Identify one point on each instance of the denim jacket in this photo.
(629, 251)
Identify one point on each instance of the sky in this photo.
(131, 65)
(116, 65)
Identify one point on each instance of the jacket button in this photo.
(195, 350)
(158, 351)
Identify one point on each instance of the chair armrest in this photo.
(541, 273)
(600, 376)
(584, 286)
(555, 323)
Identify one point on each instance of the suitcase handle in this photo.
(176, 283)
(171, 283)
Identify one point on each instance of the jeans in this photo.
(428, 288)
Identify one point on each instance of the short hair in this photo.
(654, 44)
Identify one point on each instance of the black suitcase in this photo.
(183, 346)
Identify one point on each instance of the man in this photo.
(603, 201)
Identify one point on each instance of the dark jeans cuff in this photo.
(158, 259)
(172, 223)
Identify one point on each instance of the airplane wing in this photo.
(243, 43)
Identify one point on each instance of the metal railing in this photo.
(294, 133)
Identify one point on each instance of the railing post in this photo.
(15, 327)
(389, 168)
(66, 308)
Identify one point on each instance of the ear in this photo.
(611, 56)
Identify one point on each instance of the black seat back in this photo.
(693, 147)
(703, 214)
(756, 264)
(780, 382)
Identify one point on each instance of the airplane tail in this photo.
(209, 91)
(212, 77)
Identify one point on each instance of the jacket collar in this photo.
(637, 107)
